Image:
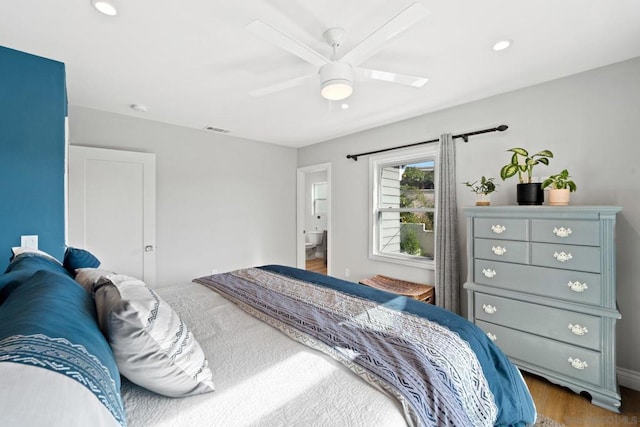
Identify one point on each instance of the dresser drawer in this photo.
(501, 250)
(500, 228)
(575, 286)
(562, 325)
(573, 232)
(581, 258)
(566, 359)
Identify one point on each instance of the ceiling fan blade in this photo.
(287, 84)
(285, 42)
(386, 76)
(374, 42)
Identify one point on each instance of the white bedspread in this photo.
(261, 377)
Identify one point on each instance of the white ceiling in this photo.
(193, 63)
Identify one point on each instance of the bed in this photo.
(265, 346)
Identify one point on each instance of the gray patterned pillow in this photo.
(87, 277)
(152, 345)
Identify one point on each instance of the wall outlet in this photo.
(30, 241)
(347, 272)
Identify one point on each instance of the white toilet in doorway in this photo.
(313, 239)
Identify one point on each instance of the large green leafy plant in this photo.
(522, 164)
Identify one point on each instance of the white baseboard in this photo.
(628, 378)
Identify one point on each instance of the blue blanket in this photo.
(49, 321)
(438, 363)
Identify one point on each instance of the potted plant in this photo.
(560, 188)
(483, 190)
(528, 193)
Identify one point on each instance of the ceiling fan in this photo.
(337, 74)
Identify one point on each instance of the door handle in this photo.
(148, 248)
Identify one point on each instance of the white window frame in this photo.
(408, 156)
(319, 198)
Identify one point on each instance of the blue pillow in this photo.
(48, 321)
(79, 258)
(23, 265)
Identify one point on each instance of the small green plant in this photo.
(524, 169)
(485, 186)
(560, 181)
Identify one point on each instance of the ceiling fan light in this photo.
(336, 90)
(336, 81)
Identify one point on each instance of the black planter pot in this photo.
(530, 194)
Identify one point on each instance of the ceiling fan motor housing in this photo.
(336, 80)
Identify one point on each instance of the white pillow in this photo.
(152, 345)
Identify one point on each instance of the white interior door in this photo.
(112, 208)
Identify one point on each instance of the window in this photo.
(403, 207)
(319, 196)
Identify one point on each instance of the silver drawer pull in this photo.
(561, 232)
(578, 364)
(577, 286)
(491, 336)
(488, 272)
(499, 250)
(562, 256)
(577, 329)
(498, 229)
(489, 309)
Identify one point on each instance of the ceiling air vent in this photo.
(215, 129)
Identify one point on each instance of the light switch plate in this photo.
(29, 241)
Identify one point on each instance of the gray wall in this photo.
(222, 202)
(591, 122)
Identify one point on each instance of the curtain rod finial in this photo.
(502, 128)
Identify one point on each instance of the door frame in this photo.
(300, 212)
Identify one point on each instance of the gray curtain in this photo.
(447, 269)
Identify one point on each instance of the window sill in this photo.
(418, 262)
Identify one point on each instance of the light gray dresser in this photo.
(542, 285)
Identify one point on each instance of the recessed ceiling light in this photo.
(104, 6)
(501, 45)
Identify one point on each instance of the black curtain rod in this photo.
(464, 136)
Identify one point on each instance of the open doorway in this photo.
(314, 218)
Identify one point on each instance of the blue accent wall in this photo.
(33, 106)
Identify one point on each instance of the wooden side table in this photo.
(419, 291)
